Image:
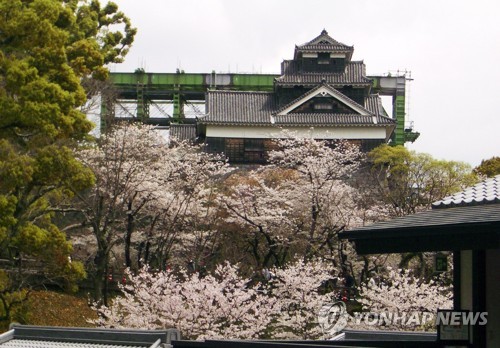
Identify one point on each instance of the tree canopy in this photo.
(489, 167)
(47, 47)
(409, 181)
(146, 193)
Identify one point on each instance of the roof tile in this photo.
(231, 107)
(183, 131)
(342, 97)
(485, 192)
(256, 108)
(23, 343)
(326, 119)
(325, 43)
(455, 215)
(355, 74)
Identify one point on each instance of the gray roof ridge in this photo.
(368, 82)
(240, 92)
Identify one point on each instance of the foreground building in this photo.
(468, 224)
(26, 336)
(321, 93)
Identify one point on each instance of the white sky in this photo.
(452, 49)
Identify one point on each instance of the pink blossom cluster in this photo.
(223, 304)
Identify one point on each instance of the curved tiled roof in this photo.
(245, 108)
(257, 108)
(324, 43)
(355, 74)
(486, 192)
(183, 131)
(326, 119)
(374, 104)
(324, 47)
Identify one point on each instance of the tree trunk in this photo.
(100, 278)
(128, 235)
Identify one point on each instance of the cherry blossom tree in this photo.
(325, 198)
(260, 203)
(183, 226)
(146, 193)
(225, 304)
(300, 293)
(299, 203)
(403, 294)
(125, 181)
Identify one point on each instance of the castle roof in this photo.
(324, 43)
(354, 74)
(266, 109)
(239, 108)
(262, 109)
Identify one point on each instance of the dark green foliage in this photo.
(46, 48)
(489, 167)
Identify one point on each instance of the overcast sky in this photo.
(452, 49)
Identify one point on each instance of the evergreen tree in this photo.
(489, 167)
(47, 47)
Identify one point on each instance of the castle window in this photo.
(324, 58)
(323, 106)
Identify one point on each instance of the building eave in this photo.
(459, 228)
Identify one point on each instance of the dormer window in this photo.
(324, 58)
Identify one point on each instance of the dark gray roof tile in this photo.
(439, 217)
(355, 74)
(324, 43)
(20, 343)
(26, 336)
(345, 99)
(231, 107)
(326, 119)
(256, 108)
(374, 104)
(183, 132)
